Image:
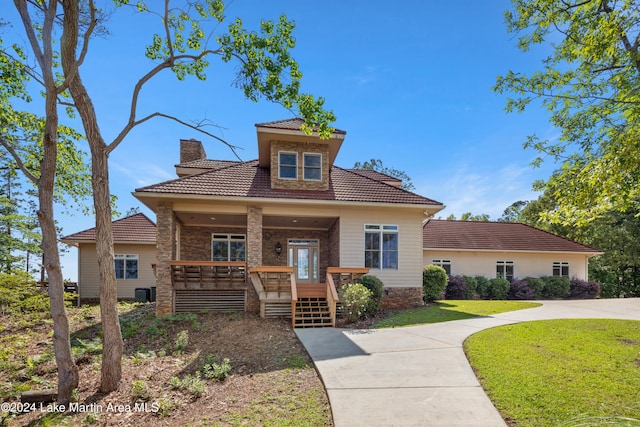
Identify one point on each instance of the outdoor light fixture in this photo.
(278, 248)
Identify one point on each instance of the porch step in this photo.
(312, 312)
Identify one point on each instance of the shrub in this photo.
(536, 285)
(520, 289)
(139, 390)
(214, 369)
(472, 286)
(182, 340)
(376, 287)
(191, 383)
(355, 299)
(434, 282)
(483, 285)
(499, 288)
(581, 289)
(555, 287)
(456, 288)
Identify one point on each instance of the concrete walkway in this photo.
(419, 375)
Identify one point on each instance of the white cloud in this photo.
(489, 192)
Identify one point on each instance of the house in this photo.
(502, 249)
(135, 255)
(280, 233)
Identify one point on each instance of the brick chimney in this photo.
(190, 150)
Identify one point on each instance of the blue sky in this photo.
(410, 83)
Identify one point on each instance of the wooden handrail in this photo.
(294, 298)
(332, 298)
(358, 270)
(331, 288)
(271, 269)
(209, 263)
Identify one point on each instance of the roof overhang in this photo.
(151, 199)
(76, 242)
(266, 135)
(590, 254)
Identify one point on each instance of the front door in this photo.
(303, 257)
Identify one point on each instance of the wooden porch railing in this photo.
(343, 276)
(207, 274)
(270, 282)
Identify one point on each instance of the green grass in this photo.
(561, 372)
(446, 311)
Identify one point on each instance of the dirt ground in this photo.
(163, 383)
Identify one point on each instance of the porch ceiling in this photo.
(268, 221)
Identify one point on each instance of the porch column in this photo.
(254, 236)
(165, 232)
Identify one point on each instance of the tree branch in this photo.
(18, 160)
(197, 127)
(73, 72)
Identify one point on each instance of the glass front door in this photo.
(303, 257)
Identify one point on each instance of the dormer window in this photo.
(288, 165)
(312, 166)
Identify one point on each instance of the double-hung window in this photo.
(504, 269)
(228, 247)
(381, 246)
(312, 163)
(444, 263)
(126, 266)
(288, 165)
(561, 269)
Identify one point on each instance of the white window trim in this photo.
(304, 166)
(229, 237)
(125, 258)
(442, 263)
(280, 165)
(505, 264)
(561, 265)
(382, 229)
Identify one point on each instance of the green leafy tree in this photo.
(376, 165)
(513, 213)
(265, 70)
(589, 85)
(468, 216)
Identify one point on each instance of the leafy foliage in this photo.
(456, 288)
(555, 287)
(215, 369)
(520, 289)
(375, 285)
(472, 286)
(582, 289)
(356, 300)
(499, 288)
(434, 282)
(589, 86)
(483, 286)
(377, 165)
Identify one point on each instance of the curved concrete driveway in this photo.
(419, 375)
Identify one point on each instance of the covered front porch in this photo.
(274, 264)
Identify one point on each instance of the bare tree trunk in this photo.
(112, 345)
(67, 369)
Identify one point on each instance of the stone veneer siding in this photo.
(401, 298)
(165, 244)
(300, 183)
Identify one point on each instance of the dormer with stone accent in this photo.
(297, 161)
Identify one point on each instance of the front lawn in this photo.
(445, 311)
(561, 372)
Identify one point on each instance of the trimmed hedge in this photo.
(434, 283)
(581, 289)
(499, 288)
(456, 288)
(555, 287)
